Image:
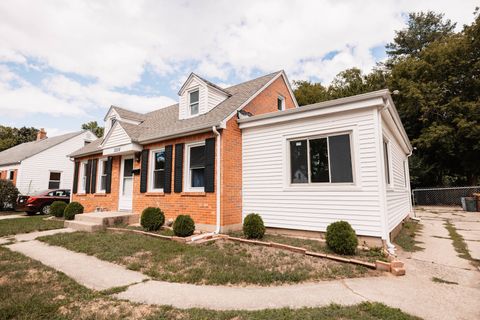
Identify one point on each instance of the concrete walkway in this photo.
(414, 293)
(13, 216)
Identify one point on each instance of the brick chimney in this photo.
(42, 134)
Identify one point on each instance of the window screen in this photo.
(298, 161)
(128, 168)
(340, 158)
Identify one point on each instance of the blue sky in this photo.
(63, 64)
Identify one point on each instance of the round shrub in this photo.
(72, 209)
(152, 218)
(341, 238)
(183, 226)
(8, 194)
(57, 208)
(253, 227)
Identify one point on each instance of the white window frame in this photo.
(82, 181)
(282, 98)
(388, 183)
(190, 103)
(152, 170)
(102, 162)
(59, 181)
(187, 174)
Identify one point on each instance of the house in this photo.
(44, 163)
(221, 153)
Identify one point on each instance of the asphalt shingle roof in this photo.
(163, 123)
(25, 150)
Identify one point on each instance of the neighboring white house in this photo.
(345, 159)
(43, 164)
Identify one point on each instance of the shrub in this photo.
(183, 226)
(72, 209)
(253, 227)
(8, 194)
(341, 238)
(57, 208)
(152, 218)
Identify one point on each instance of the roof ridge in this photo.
(255, 79)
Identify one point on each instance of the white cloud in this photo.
(112, 42)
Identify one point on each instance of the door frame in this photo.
(120, 189)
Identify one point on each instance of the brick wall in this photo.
(201, 206)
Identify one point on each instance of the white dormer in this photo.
(198, 96)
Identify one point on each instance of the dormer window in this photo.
(281, 103)
(194, 95)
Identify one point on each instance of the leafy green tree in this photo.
(307, 93)
(94, 127)
(10, 136)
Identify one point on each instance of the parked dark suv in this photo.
(41, 201)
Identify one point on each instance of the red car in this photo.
(41, 201)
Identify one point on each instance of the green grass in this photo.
(30, 290)
(9, 213)
(318, 246)
(28, 224)
(221, 262)
(440, 280)
(459, 244)
(406, 237)
(163, 232)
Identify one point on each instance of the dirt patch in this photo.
(106, 309)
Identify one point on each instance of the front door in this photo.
(126, 184)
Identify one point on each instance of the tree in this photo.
(307, 93)
(423, 28)
(352, 82)
(93, 126)
(10, 136)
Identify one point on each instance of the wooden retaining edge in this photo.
(151, 234)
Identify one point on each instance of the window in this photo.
(158, 172)
(83, 177)
(102, 175)
(195, 177)
(54, 180)
(112, 122)
(281, 103)
(11, 175)
(321, 160)
(386, 159)
(194, 96)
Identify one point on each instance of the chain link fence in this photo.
(442, 196)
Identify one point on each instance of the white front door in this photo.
(126, 184)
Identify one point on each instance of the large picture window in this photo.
(321, 160)
(158, 170)
(195, 178)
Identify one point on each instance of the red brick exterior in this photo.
(4, 174)
(201, 206)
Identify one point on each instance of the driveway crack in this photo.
(353, 291)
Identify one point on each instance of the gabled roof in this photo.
(194, 75)
(164, 123)
(126, 114)
(25, 150)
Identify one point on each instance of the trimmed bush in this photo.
(57, 208)
(183, 226)
(253, 227)
(8, 194)
(152, 218)
(341, 238)
(72, 209)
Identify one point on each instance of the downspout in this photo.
(218, 176)
(389, 244)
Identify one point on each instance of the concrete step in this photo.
(108, 218)
(83, 225)
(398, 271)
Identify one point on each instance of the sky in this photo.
(64, 63)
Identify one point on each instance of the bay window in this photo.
(326, 159)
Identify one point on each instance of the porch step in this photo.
(108, 218)
(83, 225)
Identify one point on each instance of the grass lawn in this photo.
(221, 262)
(406, 237)
(28, 224)
(30, 290)
(9, 213)
(459, 244)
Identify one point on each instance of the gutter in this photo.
(218, 177)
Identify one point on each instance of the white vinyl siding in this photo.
(117, 137)
(266, 187)
(34, 173)
(208, 98)
(398, 197)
